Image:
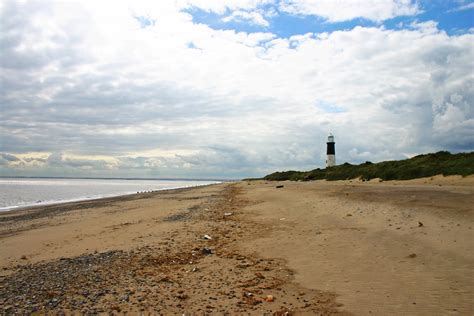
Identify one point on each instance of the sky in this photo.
(230, 88)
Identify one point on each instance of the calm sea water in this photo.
(21, 192)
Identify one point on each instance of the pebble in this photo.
(206, 251)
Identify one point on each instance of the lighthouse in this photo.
(331, 152)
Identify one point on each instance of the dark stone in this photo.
(206, 251)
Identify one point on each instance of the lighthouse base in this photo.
(330, 161)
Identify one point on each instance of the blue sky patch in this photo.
(329, 107)
(144, 21)
(453, 17)
(192, 46)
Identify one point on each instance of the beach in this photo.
(319, 247)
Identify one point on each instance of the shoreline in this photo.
(14, 208)
(94, 178)
(259, 247)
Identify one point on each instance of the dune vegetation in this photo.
(426, 165)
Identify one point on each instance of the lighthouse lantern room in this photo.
(331, 152)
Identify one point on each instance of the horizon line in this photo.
(120, 178)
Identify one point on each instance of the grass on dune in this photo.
(427, 165)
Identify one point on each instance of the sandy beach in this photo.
(342, 247)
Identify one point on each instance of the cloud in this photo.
(222, 6)
(252, 17)
(463, 7)
(331, 10)
(346, 10)
(426, 26)
(99, 94)
(9, 157)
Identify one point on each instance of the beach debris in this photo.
(269, 298)
(282, 219)
(115, 307)
(244, 265)
(166, 279)
(182, 295)
(207, 237)
(23, 257)
(206, 251)
(250, 299)
(280, 186)
(420, 224)
(349, 214)
(227, 214)
(413, 255)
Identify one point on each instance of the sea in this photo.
(23, 192)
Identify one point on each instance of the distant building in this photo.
(331, 152)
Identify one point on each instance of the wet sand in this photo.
(309, 247)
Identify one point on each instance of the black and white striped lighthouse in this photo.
(331, 152)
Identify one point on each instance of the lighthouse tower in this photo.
(331, 152)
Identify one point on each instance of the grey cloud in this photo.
(220, 157)
(20, 34)
(9, 157)
(58, 159)
(41, 160)
(442, 55)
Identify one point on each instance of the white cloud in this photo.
(221, 6)
(426, 26)
(112, 98)
(346, 10)
(252, 17)
(463, 7)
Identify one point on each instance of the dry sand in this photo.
(402, 248)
